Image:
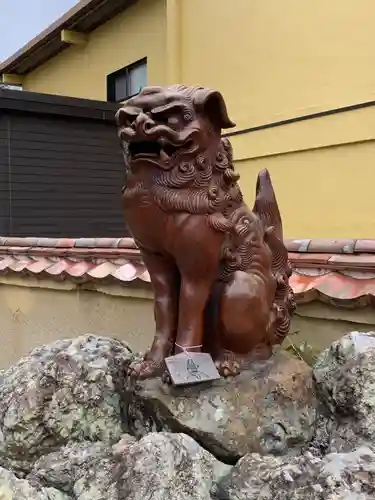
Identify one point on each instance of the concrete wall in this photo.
(81, 71)
(36, 312)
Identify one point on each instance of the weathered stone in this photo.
(65, 391)
(78, 468)
(270, 408)
(345, 381)
(12, 488)
(165, 466)
(159, 466)
(346, 476)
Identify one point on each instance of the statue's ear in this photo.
(211, 104)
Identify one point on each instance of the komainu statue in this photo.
(219, 271)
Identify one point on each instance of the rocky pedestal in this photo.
(344, 377)
(67, 391)
(345, 476)
(270, 408)
(73, 428)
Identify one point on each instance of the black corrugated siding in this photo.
(60, 176)
(4, 184)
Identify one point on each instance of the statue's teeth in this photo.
(163, 155)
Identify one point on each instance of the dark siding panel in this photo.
(4, 176)
(66, 177)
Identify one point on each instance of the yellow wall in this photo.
(273, 60)
(278, 59)
(80, 71)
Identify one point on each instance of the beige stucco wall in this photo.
(33, 315)
(320, 324)
(81, 70)
(36, 312)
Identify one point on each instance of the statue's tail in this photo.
(266, 208)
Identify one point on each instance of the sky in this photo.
(21, 20)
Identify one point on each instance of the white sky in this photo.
(21, 20)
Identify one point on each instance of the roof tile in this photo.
(297, 245)
(126, 272)
(66, 243)
(38, 266)
(322, 269)
(19, 265)
(59, 267)
(104, 270)
(79, 269)
(314, 258)
(5, 262)
(364, 246)
(348, 260)
(332, 246)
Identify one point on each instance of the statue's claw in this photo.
(166, 378)
(228, 367)
(147, 368)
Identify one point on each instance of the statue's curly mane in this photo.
(200, 186)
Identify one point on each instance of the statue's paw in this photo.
(228, 367)
(147, 368)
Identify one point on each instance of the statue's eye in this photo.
(129, 120)
(172, 120)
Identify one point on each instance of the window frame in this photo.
(111, 80)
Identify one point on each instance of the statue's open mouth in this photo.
(160, 149)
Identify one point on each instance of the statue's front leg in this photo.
(194, 295)
(166, 284)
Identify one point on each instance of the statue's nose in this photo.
(143, 123)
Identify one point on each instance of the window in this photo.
(7, 86)
(127, 82)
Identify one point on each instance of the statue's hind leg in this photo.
(243, 325)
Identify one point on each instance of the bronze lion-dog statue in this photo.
(219, 271)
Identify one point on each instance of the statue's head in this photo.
(166, 126)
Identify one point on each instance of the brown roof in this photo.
(340, 272)
(84, 17)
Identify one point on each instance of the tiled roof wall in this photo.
(341, 272)
(80, 260)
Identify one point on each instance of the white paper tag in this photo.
(187, 368)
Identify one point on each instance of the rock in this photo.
(270, 408)
(78, 469)
(345, 476)
(65, 391)
(344, 375)
(159, 466)
(12, 488)
(165, 466)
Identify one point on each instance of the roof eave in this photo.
(85, 17)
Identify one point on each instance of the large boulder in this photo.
(269, 408)
(82, 470)
(66, 391)
(13, 488)
(159, 466)
(345, 476)
(344, 377)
